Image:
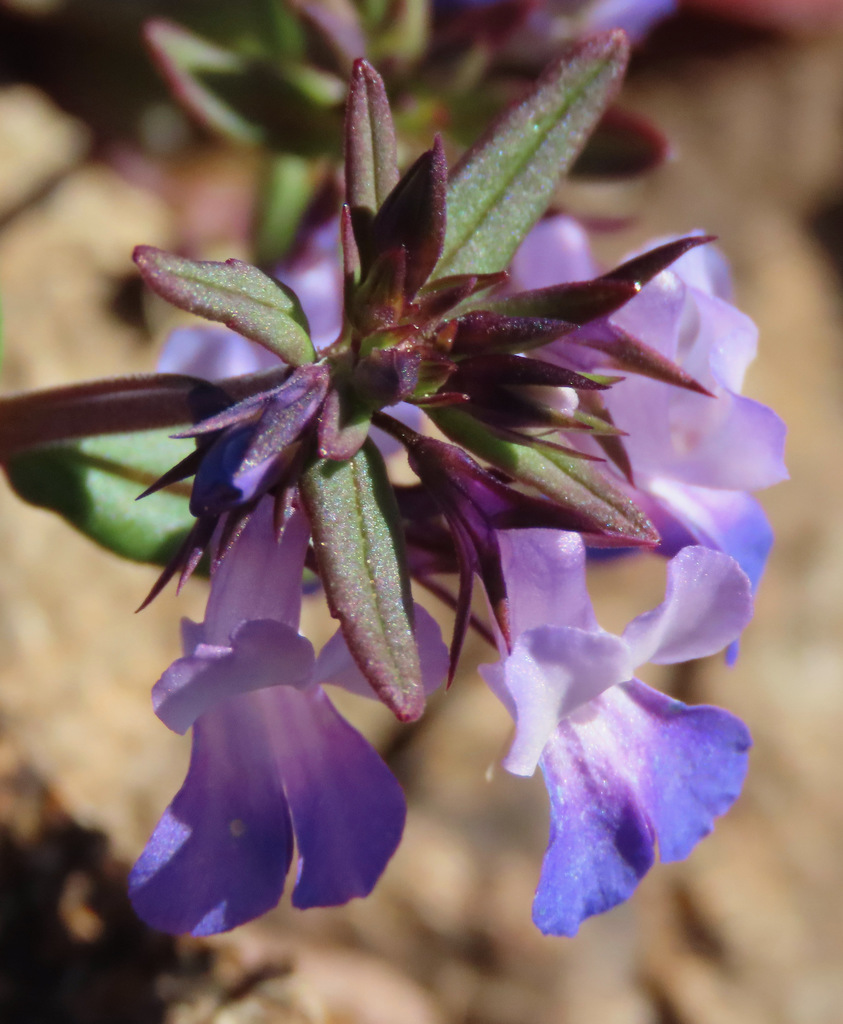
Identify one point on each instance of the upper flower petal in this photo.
(545, 578)
(222, 849)
(708, 602)
(632, 767)
(259, 577)
(262, 653)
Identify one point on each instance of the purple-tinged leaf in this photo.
(485, 332)
(235, 294)
(413, 217)
(623, 145)
(443, 294)
(598, 508)
(359, 548)
(577, 303)
(506, 181)
(371, 164)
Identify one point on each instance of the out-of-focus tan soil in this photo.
(749, 930)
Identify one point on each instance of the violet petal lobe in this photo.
(708, 601)
(348, 809)
(221, 851)
(632, 767)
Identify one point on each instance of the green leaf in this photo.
(359, 548)
(575, 483)
(93, 484)
(288, 106)
(506, 181)
(235, 294)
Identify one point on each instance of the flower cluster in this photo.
(547, 409)
(548, 450)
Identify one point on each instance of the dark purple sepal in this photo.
(184, 560)
(484, 332)
(505, 370)
(595, 505)
(387, 376)
(476, 505)
(359, 546)
(232, 293)
(249, 457)
(577, 303)
(625, 352)
(413, 217)
(641, 269)
(439, 296)
(612, 446)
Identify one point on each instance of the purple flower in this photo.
(695, 459)
(625, 766)
(272, 761)
(574, 19)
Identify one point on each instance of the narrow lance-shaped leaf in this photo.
(359, 548)
(600, 510)
(371, 164)
(93, 485)
(235, 294)
(506, 181)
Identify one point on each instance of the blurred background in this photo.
(95, 158)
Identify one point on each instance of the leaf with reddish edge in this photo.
(577, 303)
(506, 181)
(484, 332)
(413, 216)
(235, 294)
(359, 546)
(604, 514)
(371, 164)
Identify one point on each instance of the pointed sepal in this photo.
(598, 509)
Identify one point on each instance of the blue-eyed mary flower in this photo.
(695, 459)
(273, 764)
(626, 768)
